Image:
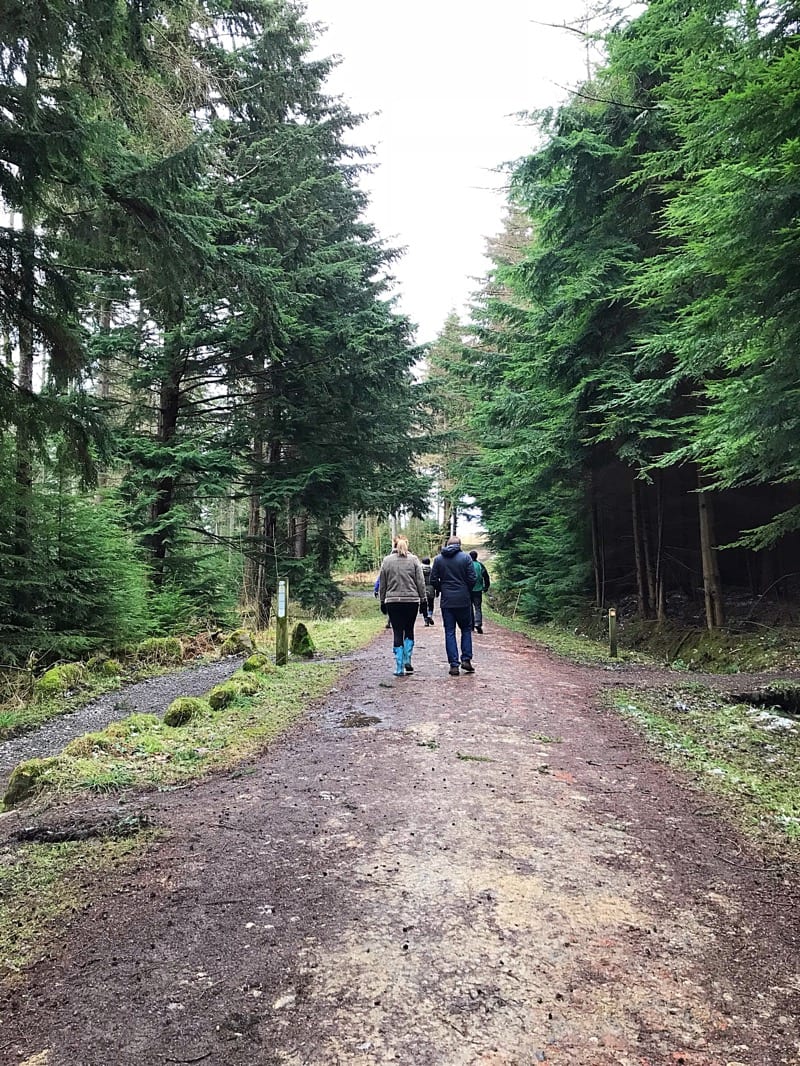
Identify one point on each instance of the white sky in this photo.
(447, 77)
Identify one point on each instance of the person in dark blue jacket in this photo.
(453, 577)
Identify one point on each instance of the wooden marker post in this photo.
(282, 625)
(612, 632)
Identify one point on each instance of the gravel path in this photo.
(151, 697)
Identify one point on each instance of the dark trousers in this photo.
(461, 617)
(402, 616)
(477, 608)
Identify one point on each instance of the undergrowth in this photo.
(748, 756)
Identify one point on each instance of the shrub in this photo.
(111, 668)
(184, 709)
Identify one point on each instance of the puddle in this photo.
(357, 720)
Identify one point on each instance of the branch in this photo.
(615, 103)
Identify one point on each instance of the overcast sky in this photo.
(447, 77)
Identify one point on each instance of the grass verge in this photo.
(748, 756)
(41, 886)
(570, 645)
(142, 751)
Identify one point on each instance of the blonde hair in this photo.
(401, 546)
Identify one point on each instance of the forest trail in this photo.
(487, 870)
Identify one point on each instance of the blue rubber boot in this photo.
(408, 647)
(399, 655)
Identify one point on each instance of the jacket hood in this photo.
(451, 549)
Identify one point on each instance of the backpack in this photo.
(481, 577)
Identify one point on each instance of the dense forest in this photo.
(628, 387)
(201, 370)
(204, 383)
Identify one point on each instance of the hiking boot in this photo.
(454, 671)
(467, 667)
(478, 629)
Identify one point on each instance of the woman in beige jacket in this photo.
(401, 587)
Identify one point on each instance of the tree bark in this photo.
(23, 444)
(661, 604)
(638, 553)
(169, 404)
(299, 535)
(598, 550)
(712, 587)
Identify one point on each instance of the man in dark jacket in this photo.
(453, 577)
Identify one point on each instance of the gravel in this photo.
(148, 697)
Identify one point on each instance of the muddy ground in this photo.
(487, 870)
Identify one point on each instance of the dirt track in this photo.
(482, 870)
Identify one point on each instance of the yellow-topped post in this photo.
(612, 632)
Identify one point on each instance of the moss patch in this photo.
(257, 662)
(301, 644)
(748, 756)
(42, 884)
(184, 709)
(160, 650)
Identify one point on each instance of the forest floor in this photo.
(489, 870)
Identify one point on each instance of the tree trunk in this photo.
(598, 551)
(712, 587)
(638, 553)
(169, 403)
(447, 519)
(299, 535)
(661, 604)
(23, 443)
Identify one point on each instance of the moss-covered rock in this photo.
(26, 781)
(781, 694)
(84, 747)
(160, 651)
(301, 644)
(60, 679)
(221, 695)
(184, 709)
(95, 664)
(239, 642)
(257, 662)
(247, 684)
